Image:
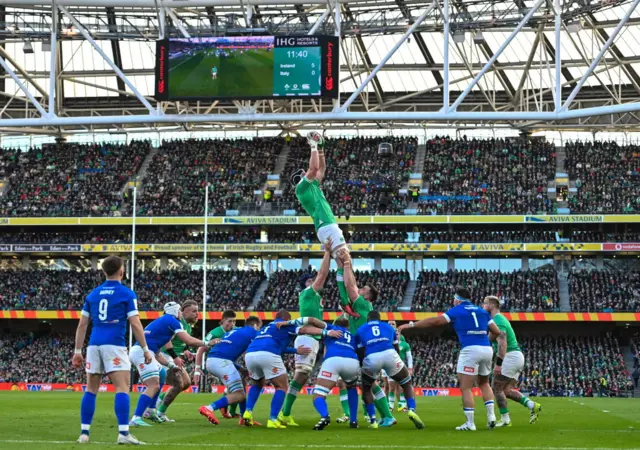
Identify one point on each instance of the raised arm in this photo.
(314, 164)
(322, 165)
(425, 323)
(323, 273)
(350, 283)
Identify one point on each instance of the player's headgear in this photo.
(172, 308)
(303, 280)
(297, 176)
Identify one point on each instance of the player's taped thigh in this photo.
(367, 380)
(404, 380)
(304, 368)
(235, 387)
(321, 390)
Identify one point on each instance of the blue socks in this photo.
(252, 397)
(320, 403)
(122, 412)
(276, 403)
(411, 404)
(371, 411)
(220, 403)
(144, 402)
(352, 394)
(87, 409)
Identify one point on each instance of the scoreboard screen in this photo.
(246, 67)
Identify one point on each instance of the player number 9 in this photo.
(102, 309)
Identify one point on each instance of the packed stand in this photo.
(495, 176)
(66, 290)
(602, 236)
(436, 237)
(358, 180)
(606, 291)
(26, 358)
(517, 290)
(176, 179)
(75, 180)
(554, 366)
(606, 175)
(283, 289)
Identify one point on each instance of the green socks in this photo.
(344, 297)
(292, 395)
(504, 411)
(344, 402)
(233, 409)
(392, 400)
(381, 402)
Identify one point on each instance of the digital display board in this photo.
(246, 67)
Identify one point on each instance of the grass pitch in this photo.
(30, 421)
(248, 74)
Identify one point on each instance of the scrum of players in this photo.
(358, 347)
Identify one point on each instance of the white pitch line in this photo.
(328, 446)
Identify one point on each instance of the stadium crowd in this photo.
(518, 290)
(495, 176)
(358, 180)
(607, 177)
(283, 289)
(555, 366)
(175, 181)
(72, 180)
(66, 290)
(155, 235)
(604, 290)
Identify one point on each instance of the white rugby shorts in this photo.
(388, 360)
(513, 365)
(333, 232)
(106, 359)
(146, 371)
(475, 360)
(225, 370)
(313, 344)
(338, 367)
(264, 365)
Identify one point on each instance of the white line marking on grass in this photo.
(328, 446)
(605, 411)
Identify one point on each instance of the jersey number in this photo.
(102, 309)
(375, 330)
(475, 319)
(347, 337)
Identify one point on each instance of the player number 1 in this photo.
(102, 309)
(475, 319)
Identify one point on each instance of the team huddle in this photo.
(357, 349)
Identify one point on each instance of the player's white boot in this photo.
(491, 422)
(129, 439)
(83, 439)
(467, 427)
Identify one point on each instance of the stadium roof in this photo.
(522, 79)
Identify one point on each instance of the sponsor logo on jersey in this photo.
(398, 365)
(226, 377)
(274, 370)
(326, 374)
(116, 361)
(468, 369)
(88, 365)
(141, 366)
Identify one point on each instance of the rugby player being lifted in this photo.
(314, 202)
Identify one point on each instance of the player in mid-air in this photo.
(392, 388)
(108, 307)
(340, 361)
(227, 323)
(472, 325)
(360, 301)
(310, 303)
(377, 344)
(158, 334)
(175, 350)
(221, 363)
(508, 369)
(264, 360)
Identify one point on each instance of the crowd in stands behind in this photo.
(517, 290)
(283, 289)
(604, 290)
(66, 290)
(247, 235)
(358, 180)
(496, 176)
(72, 180)
(176, 179)
(607, 177)
(555, 366)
